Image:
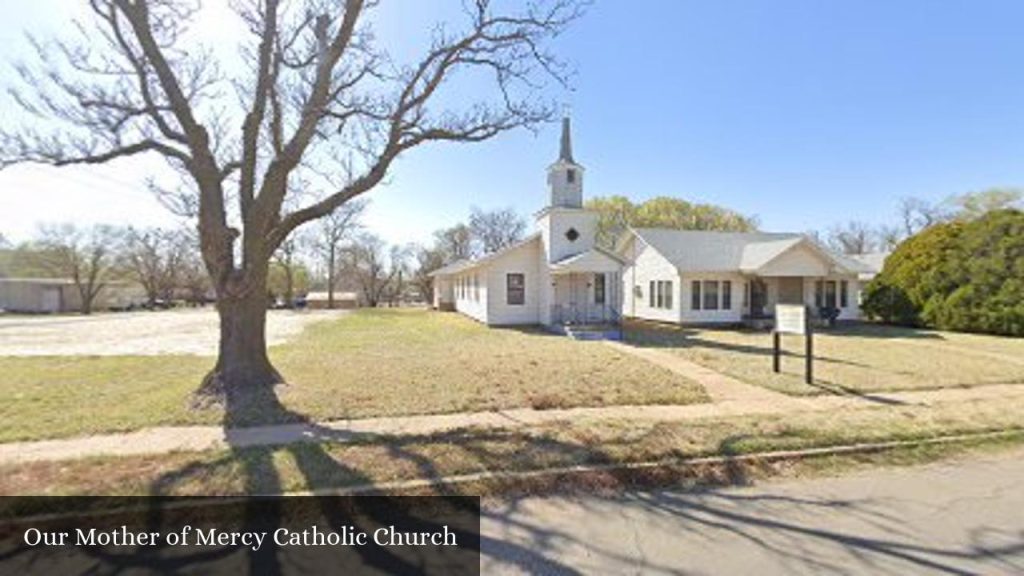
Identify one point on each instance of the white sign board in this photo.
(791, 318)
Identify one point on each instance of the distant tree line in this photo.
(335, 254)
(165, 262)
(486, 232)
(617, 213)
(914, 215)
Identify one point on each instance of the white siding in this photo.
(644, 265)
(443, 291)
(798, 261)
(735, 312)
(469, 300)
(556, 222)
(524, 260)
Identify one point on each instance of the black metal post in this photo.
(809, 372)
(776, 344)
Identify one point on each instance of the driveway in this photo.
(183, 331)
(961, 517)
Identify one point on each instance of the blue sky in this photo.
(804, 113)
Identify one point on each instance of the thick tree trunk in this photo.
(242, 362)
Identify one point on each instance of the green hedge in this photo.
(964, 275)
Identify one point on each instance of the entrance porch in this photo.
(584, 297)
(820, 293)
(586, 305)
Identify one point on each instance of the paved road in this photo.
(961, 517)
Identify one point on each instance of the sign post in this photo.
(793, 319)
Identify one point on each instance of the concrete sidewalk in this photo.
(719, 387)
(196, 438)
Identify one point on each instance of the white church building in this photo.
(559, 277)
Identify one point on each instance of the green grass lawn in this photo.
(370, 363)
(856, 358)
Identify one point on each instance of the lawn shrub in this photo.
(963, 275)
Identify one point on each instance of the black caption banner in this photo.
(244, 535)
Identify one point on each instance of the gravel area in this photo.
(187, 331)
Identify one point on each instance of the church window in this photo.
(570, 176)
(572, 234)
(599, 290)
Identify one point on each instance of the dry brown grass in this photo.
(859, 358)
(371, 363)
(318, 466)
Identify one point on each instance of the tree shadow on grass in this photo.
(701, 514)
(319, 471)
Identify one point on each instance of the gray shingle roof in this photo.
(873, 260)
(709, 251)
(704, 251)
(462, 265)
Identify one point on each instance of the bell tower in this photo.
(565, 176)
(567, 228)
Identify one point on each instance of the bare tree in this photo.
(320, 102)
(888, 237)
(455, 243)
(155, 257)
(334, 229)
(427, 260)
(852, 238)
(367, 262)
(400, 271)
(917, 214)
(86, 256)
(286, 258)
(193, 277)
(497, 229)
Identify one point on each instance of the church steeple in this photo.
(565, 176)
(565, 153)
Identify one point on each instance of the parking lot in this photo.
(183, 331)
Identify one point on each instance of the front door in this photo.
(758, 297)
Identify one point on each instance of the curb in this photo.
(680, 464)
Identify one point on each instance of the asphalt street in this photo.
(959, 517)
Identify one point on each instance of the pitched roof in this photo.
(593, 260)
(704, 251)
(711, 251)
(469, 264)
(873, 260)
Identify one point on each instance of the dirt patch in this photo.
(137, 333)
